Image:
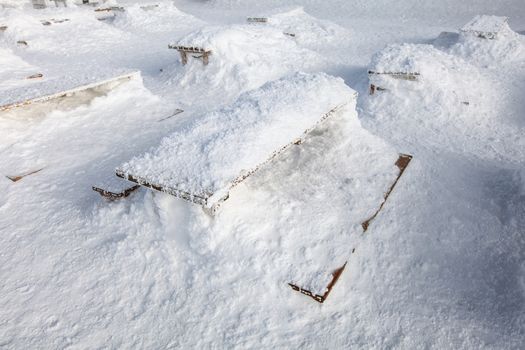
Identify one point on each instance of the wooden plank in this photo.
(411, 76)
(16, 178)
(401, 163)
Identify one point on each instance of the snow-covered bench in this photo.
(113, 188)
(203, 161)
(201, 53)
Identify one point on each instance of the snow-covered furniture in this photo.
(257, 20)
(202, 162)
(486, 27)
(40, 4)
(201, 53)
(53, 89)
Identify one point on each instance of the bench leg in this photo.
(183, 57)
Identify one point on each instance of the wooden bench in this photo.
(410, 76)
(185, 50)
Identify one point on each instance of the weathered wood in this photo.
(183, 57)
(35, 76)
(401, 163)
(111, 195)
(414, 76)
(185, 50)
(257, 20)
(16, 178)
(177, 111)
(149, 7)
(111, 9)
(317, 297)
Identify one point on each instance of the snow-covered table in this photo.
(57, 87)
(204, 160)
(486, 27)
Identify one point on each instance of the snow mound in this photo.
(309, 31)
(508, 46)
(453, 100)
(212, 151)
(43, 39)
(13, 3)
(157, 19)
(432, 66)
(243, 58)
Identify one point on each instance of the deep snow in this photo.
(442, 266)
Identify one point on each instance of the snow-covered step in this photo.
(204, 160)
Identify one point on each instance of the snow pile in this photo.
(205, 157)
(243, 58)
(451, 94)
(163, 18)
(507, 46)
(94, 35)
(432, 68)
(13, 3)
(309, 31)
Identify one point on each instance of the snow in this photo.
(441, 266)
(485, 25)
(207, 157)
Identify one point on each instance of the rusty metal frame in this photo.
(185, 50)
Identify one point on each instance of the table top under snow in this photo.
(485, 24)
(207, 157)
(51, 87)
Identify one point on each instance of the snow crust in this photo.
(442, 265)
(206, 156)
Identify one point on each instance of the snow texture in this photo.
(205, 158)
(485, 25)
(442, 266)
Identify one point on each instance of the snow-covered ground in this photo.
(441, 266)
